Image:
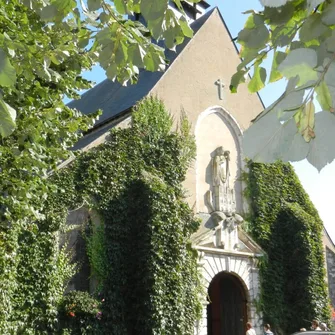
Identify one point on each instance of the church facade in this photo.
(196, 82)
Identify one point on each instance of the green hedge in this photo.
(287, 226)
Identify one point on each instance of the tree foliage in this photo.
(45, 128)
(300, 36)
(100, 29)
(288, 228)
(44, 48)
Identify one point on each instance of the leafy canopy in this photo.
(32, 269)
(99, 29)
(300, 36)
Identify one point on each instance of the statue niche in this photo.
(220, 200)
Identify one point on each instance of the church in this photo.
(197, 82)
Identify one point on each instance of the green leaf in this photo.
(312, 28)
(311, 4)
(278, 58)
(136, 54)
(273, 3)
(330, 75)
(111, 71)
(49, 12)
(254, 38)
(283, 35)
(179, 5)
(7, 119)
(94, 5)
(236, 79)
(279, 16)
(170, 36)
(258, 79)
(322, 149)
(121, 53)
(247, 52)
(57, 9)
(153, 10)
(323, 96)
(153, 61)
(187, 31)
(330, 43)
(156, 27)
(328, 14)
(329, 79)
(120, 6)
(7, 71)
(268, 140)
(64, 6)
(289, 101)
(254, 20)
(300, 62)
(249, 56)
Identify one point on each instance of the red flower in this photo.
(72, 314)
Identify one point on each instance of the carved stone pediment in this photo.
(220, 228)
(225, 234)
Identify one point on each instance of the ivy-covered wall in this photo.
(141, 253)
(287, 226)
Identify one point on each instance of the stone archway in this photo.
(216, 128)
(227, 307)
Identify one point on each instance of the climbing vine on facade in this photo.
(287, 226)
(140, 252)
(147, 269)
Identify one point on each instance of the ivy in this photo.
(96, 245)
(141, 252)
(287, 226)
(80, 314)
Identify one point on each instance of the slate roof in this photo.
(113, 98)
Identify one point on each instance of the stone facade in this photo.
(224, 247)
(240, 265)
(213, 184)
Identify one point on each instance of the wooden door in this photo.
(227, 311)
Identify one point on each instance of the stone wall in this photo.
(242, 266)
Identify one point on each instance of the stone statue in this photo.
(220, 179)
(220, 167)
(220, 200)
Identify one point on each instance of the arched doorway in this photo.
(227, 308)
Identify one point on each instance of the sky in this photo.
(319, 186)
